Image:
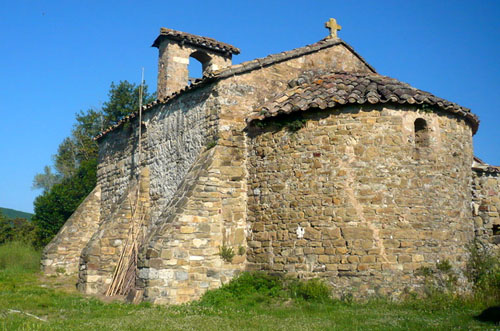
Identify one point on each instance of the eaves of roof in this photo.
(480, 166)
(242, 68)
(204, 42)
(329, 90)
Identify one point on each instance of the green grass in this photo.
(18, 257)
(252, 302)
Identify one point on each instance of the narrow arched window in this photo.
(421, 133)
(197, 67)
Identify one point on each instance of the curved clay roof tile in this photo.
(340, 88)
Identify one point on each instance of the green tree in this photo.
(55, 206)
(76, 160)
(6, 232)
(65, 160)
(88, 125)
(45, 180)
(17, 229)
(81, 146)
(123, 100)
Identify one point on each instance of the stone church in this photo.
(307, 163)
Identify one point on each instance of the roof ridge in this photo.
(283, 56)
(240, 68)
(196, 40)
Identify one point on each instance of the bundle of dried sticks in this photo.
(125, 272)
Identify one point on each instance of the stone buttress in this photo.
(62, 254)
(100, 256)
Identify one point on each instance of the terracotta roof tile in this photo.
(195, 40)
(479, 165)
(128, 118)
(242, 68)
(283, 56)
(317, 89)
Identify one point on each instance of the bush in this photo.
(440, 280)
(292, 122)
(310, 290)
(483, 270)
(226, 253)
(18, 229)
(251, 289)
(247, 289)
(19, 257)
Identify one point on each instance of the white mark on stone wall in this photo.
(196, 258)
(300, 232)
(475, 209)
(181, 60)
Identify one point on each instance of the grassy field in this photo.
(29, 301)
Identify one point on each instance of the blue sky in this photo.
(59, 57)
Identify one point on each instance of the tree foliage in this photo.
(123, 100)
(17, 229)
(65, 160)
(45, 180)
(80, 145)
(76, 160)
(55, 206)
(88, 125)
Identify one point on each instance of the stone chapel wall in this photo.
(181, 261)
(356, 196)
(350, 197)
(173, 136)
(486, 203)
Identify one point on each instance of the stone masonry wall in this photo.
(486, 204)
(173, 65)
(173, 137)
(100, 256)
(181, 260)
(352, 199)
(62, 254)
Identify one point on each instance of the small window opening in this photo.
(198, 63)
(421, 133)
(496, 229)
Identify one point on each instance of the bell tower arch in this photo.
(177, 48)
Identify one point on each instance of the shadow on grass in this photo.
(490, 315)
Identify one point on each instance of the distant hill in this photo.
(11, 213)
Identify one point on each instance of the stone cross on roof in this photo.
(333, 27)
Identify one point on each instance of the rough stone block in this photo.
(181, 275)
(312, 234)
(187, 229)
(352, 233)
(331, 233)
